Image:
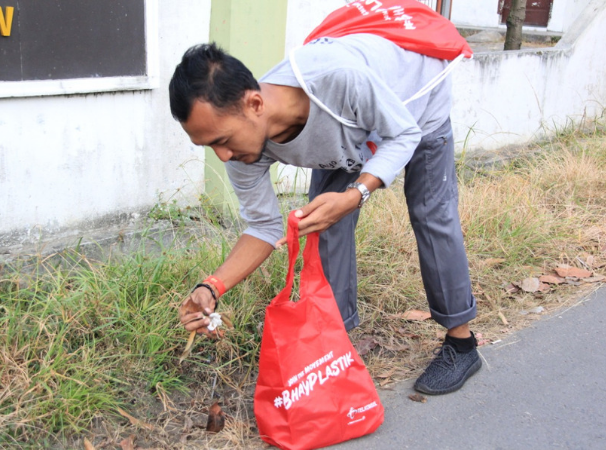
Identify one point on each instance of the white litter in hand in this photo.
(215, 321)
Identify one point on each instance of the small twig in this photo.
(583, 263)
(212, 392)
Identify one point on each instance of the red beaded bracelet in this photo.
(216, 283)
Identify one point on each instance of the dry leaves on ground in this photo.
(562, 274)
(128, 443)
(418, 398)
(216, 418)
(365, 345)
(416, 315)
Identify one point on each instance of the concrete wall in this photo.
(69, 164)
(80, 161)
(476, 13)
(505, 98)
(483, 13)
(501, 98)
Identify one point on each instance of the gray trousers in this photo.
(430, 187)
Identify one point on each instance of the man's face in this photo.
(234, 136)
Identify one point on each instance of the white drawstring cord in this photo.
(350, 123)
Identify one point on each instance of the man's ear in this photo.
(254, 102)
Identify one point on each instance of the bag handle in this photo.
(311, 257)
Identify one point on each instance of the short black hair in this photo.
(208, 73)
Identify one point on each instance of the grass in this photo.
(81, 338)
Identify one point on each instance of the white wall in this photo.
(71, 161)
(476, 13)
(505, 98)
(564, 13)
(483, 13)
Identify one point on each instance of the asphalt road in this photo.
(543, 387)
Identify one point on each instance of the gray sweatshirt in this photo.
(363, 78)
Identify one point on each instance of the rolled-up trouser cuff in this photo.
(455, 320)
(352, 321)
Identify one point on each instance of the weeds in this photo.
(81, 338)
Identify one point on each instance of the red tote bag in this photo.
(313, 389)
(408, 23)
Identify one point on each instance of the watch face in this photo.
(363, 190)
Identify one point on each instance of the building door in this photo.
(537, 12)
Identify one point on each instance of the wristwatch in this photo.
(363, 190)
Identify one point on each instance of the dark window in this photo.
(62, 39)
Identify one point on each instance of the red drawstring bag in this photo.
(313, 388)
(407, 23)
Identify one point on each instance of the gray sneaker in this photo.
(448, 371)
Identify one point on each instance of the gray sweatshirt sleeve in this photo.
(377, 108)
(258, 202)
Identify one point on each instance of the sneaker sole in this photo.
(427, 390)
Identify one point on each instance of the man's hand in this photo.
(324, 211)
(195, 309)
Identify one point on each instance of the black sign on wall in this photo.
(64, 39)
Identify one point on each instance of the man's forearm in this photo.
(247, 255)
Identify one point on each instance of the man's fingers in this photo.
(196, 324)
(194, 317)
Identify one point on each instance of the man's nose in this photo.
(223, 153)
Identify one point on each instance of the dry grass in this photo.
(80, 339)
(521, 219)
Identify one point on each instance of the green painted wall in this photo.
(254, 32)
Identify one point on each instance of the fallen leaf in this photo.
(385, 382)
(128, 443)
(567, 271)
(595, 279)
(387, 374)
(511, 288)
(88, 445)
(544, 287)
(551, 279)
(408, 334)
(216, 419)
(136, 422)
(417, 398)
(491, 262)
(365, 345)
(530, 284)
(416, 315)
